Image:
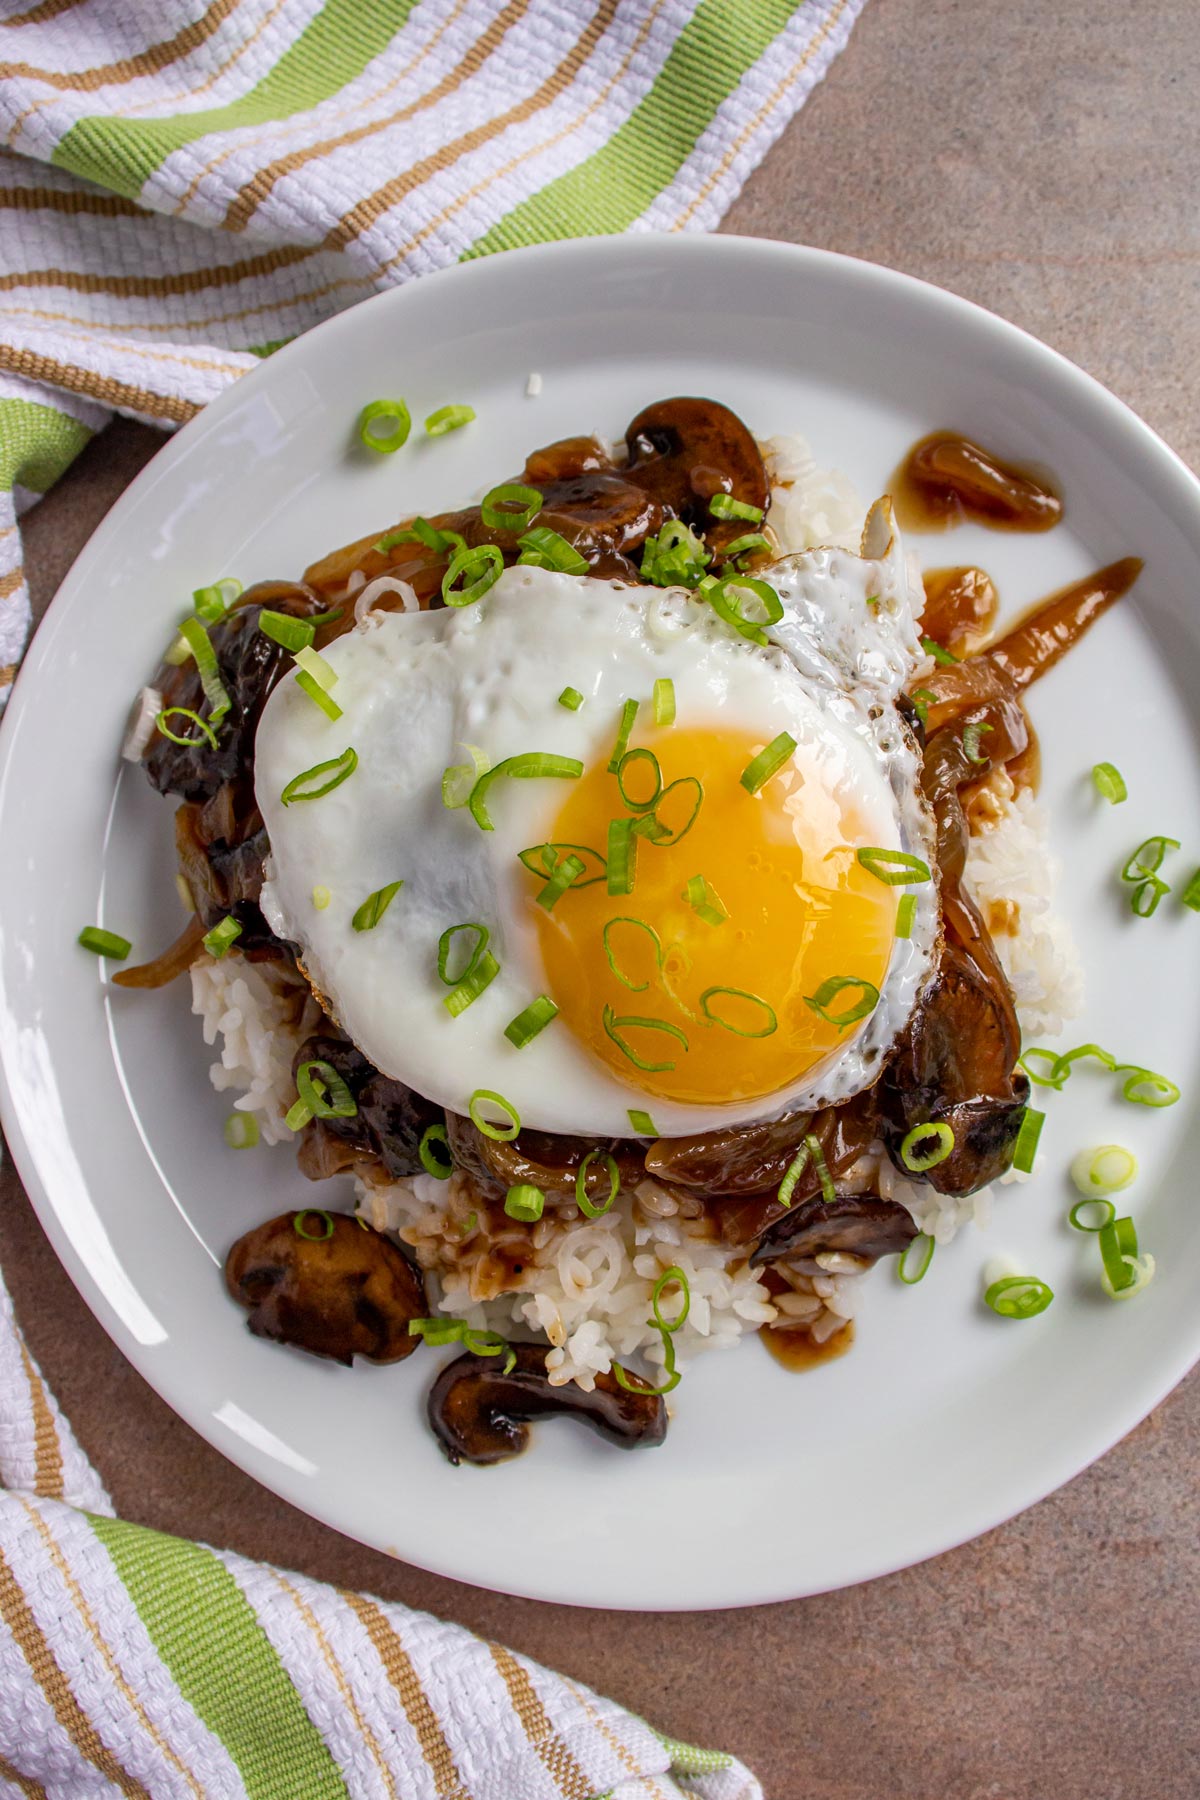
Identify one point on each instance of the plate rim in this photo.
(1171, 479)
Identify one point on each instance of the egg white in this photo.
(415, 688)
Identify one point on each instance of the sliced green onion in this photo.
(395, 421)
(724, 506)
(921, 699)
(546, 549)
(1110, 783)
(828, 1191)
(1105, 1170)
(1025, 1148)
(906, 912)
(770, 1024)
(768, 762)
(322, 672)
(566, 871)
(321, 898)
(530, 765)
(635, 987)
(938, 1138)
(664, 701)
(638, 1386)
(1125, 1272)
(434, 1163)
(212, 603)
(915, 1259)
(541, 859)
(241, 1131)
(298, 1116)
(753, 543)
(633, 758)
(651, 826)
(1147, 858)
(1190, 896)
(642, 1123)
(795, 1170)
(318, 695)
(177, 652)
(581, 1194)
(483, 973)
(530, 1020)
(668, 1276)
(338, 769)
(104, 943)
(200, 645)
(437, 1333)
(677, 557)
(323, 1091)
(972, 736)
(830, 989)
(499, 1134)
(939, 655)
(1039, 1078)
(282, 628)
(223, 934)
(629, 712)
(896, 868)
(525, 1202)
(622, 856)
(477, 569)
(1145, 898)
(193, 718)
(368, 915)
(313, 1212)
(420, 531)
(1018, 1296)
(723, 597)
(448, 418)
(631, 1022)
(571, 698)
(705, 901)
(474, 954)
(1083, 1215)
(460, 779)
(1161, 1092)
(510, 507)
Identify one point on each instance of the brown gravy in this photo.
(796, 1350)
(946, 479)
(960, 608)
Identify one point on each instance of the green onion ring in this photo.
(241, 1131)
(640, 756)
(1110, 783)
(565, 873)
(896, 868)
(705, 901)
(665, 1279)
(525, 1202)
(546, 549)
(312, 1212)
(795, 1170)
(368, 915)
(324, 1091)
(1018, 1296)
(722, 598)
(201, 647)
(642, 1123)
(940, 655)
(308, 685)
(104, 943)
(1190, 896)
(1107, 1169)
(713, 1018)
(448, 418)
(1147, 858)
(622, 856)
(433, 1164)
(185, 712)
(388, 441)
(342, 768)
(768, 762)
(541, 860)
(917, 1161)
(1077, 1217)
(499, 1135)
(475, 956)
(510, 507)
(629, 712)
(571, 698)
(530, 1021)
(664, 701)
(480, 567)
(530, 765)
(581, 1194)
(724, 506)
(471, 986)
(831, 988)
(635, 987)
(906, 912)
(972, 737)
(614, 1026)
(1025, 1148)
(286, 630)
(222, 937)
(650, 824)
(921, 1249)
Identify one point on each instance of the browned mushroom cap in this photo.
(478, 1413)
(862, 1224)
(343, 1294)
(684, 451)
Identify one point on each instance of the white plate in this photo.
(944, 1420)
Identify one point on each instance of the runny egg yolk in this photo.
(780, 864)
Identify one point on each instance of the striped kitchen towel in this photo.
(187, 183)
(141, 1665)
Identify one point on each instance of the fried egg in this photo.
(713, 987)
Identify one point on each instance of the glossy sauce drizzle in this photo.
(946, 479)
(798, 1349)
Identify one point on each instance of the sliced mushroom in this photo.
(549, 1160)
(683, 451)
(391, 1118)
(844, 1133)
(342, 1292)
(859, 1224)
(479, 1414)
(741, 1159)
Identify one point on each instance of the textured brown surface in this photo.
(1042, 159)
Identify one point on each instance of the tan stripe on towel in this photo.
(250, 197)
(65, 200)
(28, 1786)
(147, 62)
(362, 216)
(17, 1615)
(154, 287)
(45, 9)
(110, 392)
(329, 1656)
(8, 586)
(47, 1451)
(560, 1763)
(407, 1683)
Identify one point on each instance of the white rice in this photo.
(586, 1284)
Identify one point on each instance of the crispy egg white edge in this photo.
(577, 1094)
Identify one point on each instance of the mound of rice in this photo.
(586, 1284)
